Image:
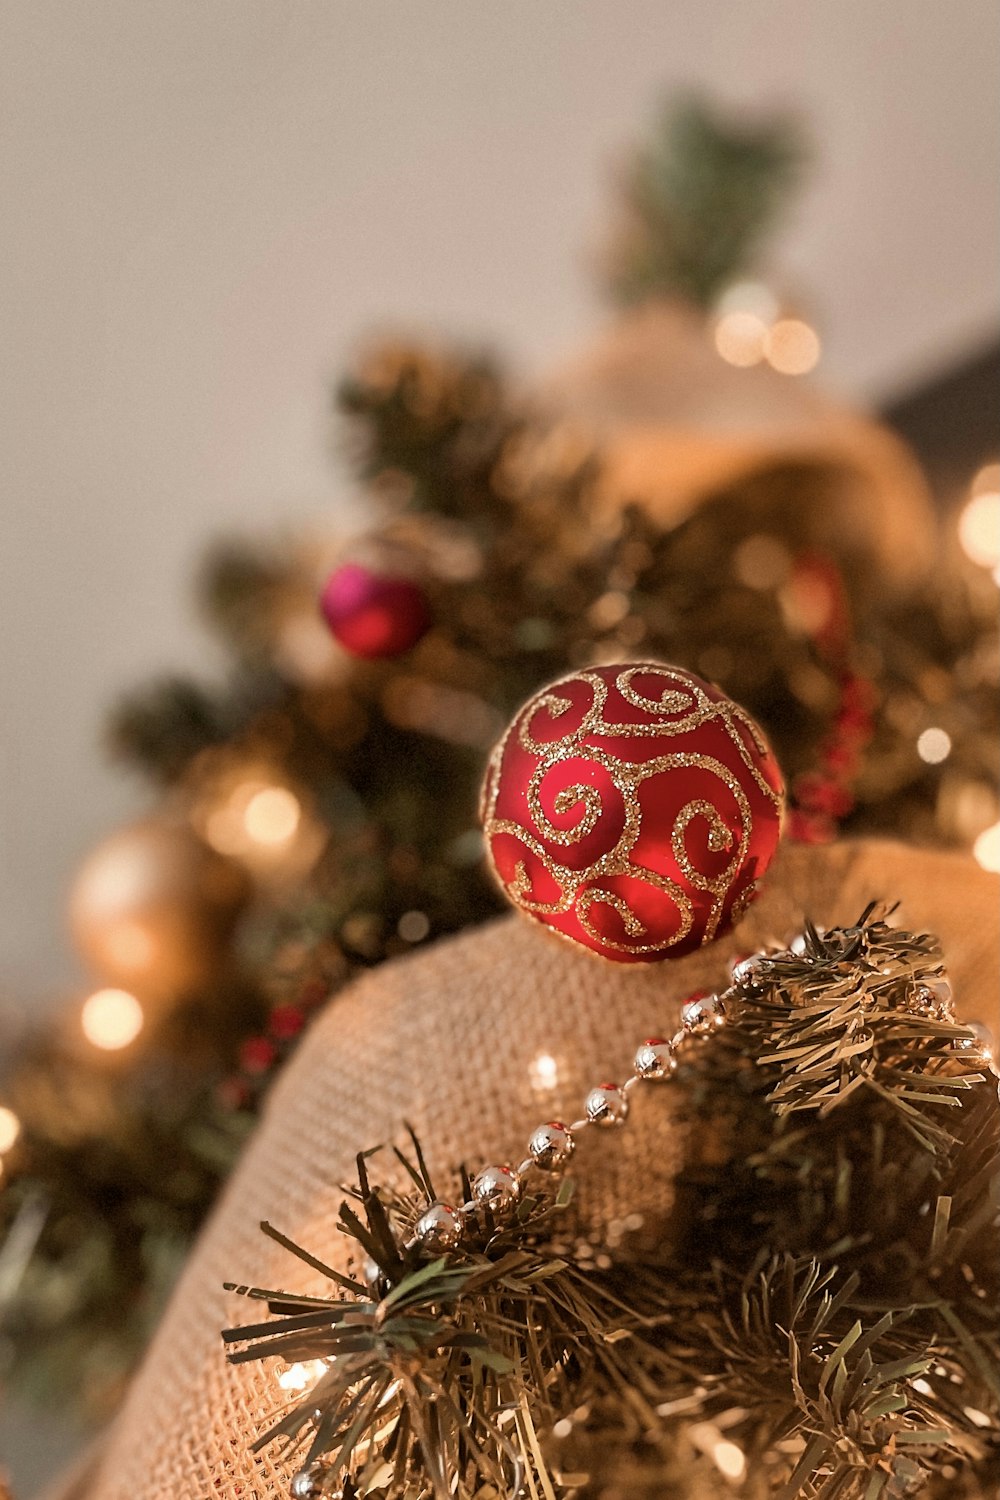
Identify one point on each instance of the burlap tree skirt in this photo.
(450, 1039)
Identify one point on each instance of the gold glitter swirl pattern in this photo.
(595, 827)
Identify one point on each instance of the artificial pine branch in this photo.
(823, 1304)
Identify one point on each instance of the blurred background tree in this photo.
(679, 492)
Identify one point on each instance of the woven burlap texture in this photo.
(446, 1039)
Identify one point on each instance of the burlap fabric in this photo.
(447, 1038)
(676, 424)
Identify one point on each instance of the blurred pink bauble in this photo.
(374, 615)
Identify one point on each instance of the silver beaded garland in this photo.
(933, 997)
(749, 972)
(655, 1059)
(374, 1277)
(703, 1013)
(440, 1227)
(496, 1188)
(606, 1105)
(306, 1485)
(551, 1146)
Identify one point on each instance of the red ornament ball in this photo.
(633, 809)
(372, 614)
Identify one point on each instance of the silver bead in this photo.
(984, 1043)
(940, 990)
(703, 1013)
(551, 1146)
(655, 1059)
(439, 1227)
(979, 1046)
(606, 1105)
(933, 996)
(748, 972)
(306, 1485)
(374, 1277)
(496, 1188)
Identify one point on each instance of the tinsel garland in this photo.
(820, 1320)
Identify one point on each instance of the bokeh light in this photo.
(544, 1072)
(979, 522)
(729, 1459)
(740, 338)
(111, 1019)
(272, 815)
(791, 347)
(987, 848)
(413, 926)
(10, 1128)
(301, 1375)
(934, 745)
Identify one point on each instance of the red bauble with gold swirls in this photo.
(633, 809)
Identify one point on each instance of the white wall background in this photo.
(205, 202)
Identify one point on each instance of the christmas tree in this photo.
(318, 808)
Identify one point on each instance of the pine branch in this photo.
(700, 199)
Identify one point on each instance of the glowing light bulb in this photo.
(729, 1459)
(986, 849)
(740, 338)
(111, 1019)
(272, 815)
(791, 347)
(544, 1072)
(979, 523)
(300, 1376)
(934, 746)
(10, 1128)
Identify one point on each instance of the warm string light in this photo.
(111, 1019)
(979, 522)
(729, 1459)
(272, 815)
(792, 347)
(255, 817)
(302, 1375)
(10, 1128)
(748, 331)
(740, 339)
(986, 849)
(544, 1073)
(934, 745)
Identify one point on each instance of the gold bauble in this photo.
(674, 424)
(152, 909)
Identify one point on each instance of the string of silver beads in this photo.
(497, 1188)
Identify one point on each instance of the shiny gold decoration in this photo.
(152, 909)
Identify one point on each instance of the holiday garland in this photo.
(824, 1301)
